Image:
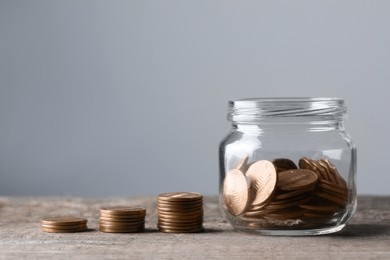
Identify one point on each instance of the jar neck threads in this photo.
(321, 114)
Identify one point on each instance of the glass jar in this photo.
(287, 166)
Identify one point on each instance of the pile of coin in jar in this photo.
(274, 193)
(180, 212)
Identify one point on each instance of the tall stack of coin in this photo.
(63, 224)
(122, 220)
(266, 192)
(180, 212)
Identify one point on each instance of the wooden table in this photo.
(367, 236)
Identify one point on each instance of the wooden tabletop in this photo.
(367, 236)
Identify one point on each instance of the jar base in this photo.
(295, 232)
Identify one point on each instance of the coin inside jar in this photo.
(296, 179)
(263, 179)
(235, 192)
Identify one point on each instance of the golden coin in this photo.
(235, 192)
(63, 221)
(122, 211)
(242, 164)
(263, 178)
(180, 196)
(284, 164)
(296, 179)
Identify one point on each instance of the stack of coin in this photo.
(277, 191)
(63, 224)
(331, 193)
(180, 212)
(122, 220)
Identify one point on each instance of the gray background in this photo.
(101, 98)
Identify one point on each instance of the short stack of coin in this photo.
(266, 192)
(63, 224)
(122, 220)
(180, 212)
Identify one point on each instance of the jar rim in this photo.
(296, 108)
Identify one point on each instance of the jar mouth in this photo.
(279, 108)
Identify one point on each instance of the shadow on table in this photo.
(364, 230)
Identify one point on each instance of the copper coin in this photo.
(122, 211)
(54, 230)
(332, 197)
(235, 192)
(121, 223)
(263, 178)
(61, 227)
(289, 194)
(242, 164)
(321, 171)
(333, 188)
(296, 179)
(333, 170)
(63, 221)
(121, 230)
(320, 208)
(284, 164)
(286, 214)
(173, 230)
(124, 220)
(305, 163)
(180, 196)
(289, 204)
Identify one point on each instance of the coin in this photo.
(289, 194)
(296, 179)
(320, 207)
(180, 212)
(63, 224)
(120, 230)
(63, 220)
(174, 230)
(333, 170)
(263, 178)
(235, 192)
(55, 230)
(284, 164)
(122, 211)
(180, 196)
(242, 164)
